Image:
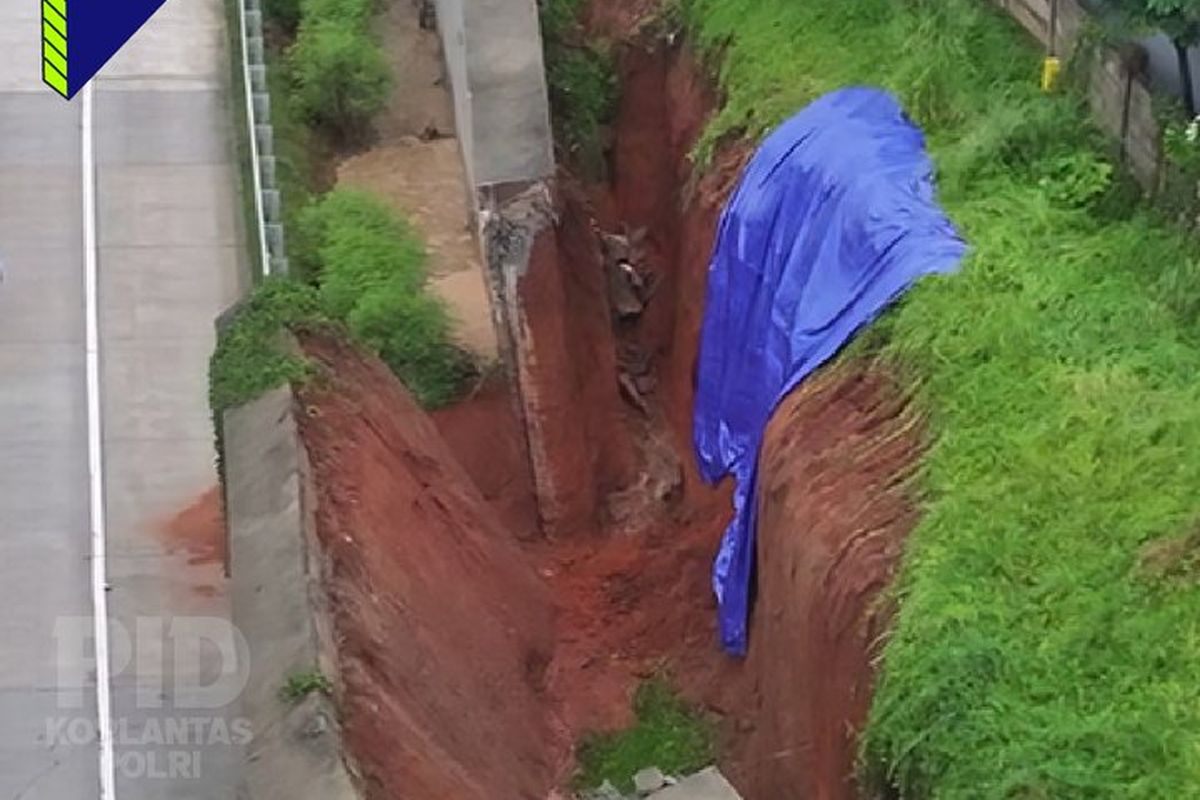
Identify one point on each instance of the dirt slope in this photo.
(833, 513)
(444, 631)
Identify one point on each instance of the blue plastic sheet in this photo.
(834, 218)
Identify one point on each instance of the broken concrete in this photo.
(708, 784)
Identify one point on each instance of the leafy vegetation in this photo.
(369, 276)
(582, 81)
(668, 735)
(300, 685)
(583, 93)
(251, 356)
(340, 76)
(1031, 656)
(372, 277)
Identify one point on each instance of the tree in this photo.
(1178, 19)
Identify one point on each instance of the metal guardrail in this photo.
(268, 205)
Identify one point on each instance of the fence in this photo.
(268, 205)
(1117, 88)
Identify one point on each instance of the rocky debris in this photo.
(649, 780)
(605, 791)
(427, 18)
(631, 393)
(624, 263)
(635, 376)
(707, 784)
(658, 487)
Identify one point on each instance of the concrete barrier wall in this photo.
(296, 753)
(1120, 97)
(493, 52)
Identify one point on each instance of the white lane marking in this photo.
(96, 458)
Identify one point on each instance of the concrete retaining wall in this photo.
(493, 52)
(296, 753)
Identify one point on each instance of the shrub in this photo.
(411, 332)
(371, 275)
(559, 18)
(249, 358)
(365, 245)
(340, 77)
(584, 93)
(284, 13)
(348, 13)
(300, 685)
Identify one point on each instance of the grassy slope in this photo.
(1031, 656)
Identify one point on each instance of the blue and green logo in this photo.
(80, 36)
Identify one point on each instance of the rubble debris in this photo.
(630, 392)
(649, 780)
(624, 264)
(427, 17)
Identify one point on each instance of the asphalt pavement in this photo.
(168, 258)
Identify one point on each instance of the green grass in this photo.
(300, 685)
(668, 735)
(1031, 657)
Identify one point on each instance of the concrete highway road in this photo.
(118, 214)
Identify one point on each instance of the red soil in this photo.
(568, 378)
(444, 631)
(198, 530)
(833, 514)
(486, 436)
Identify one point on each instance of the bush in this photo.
(559, 19)
(340, 77)
(348, 13)
(371, 275)
(411, 332)
(249, 358)
(284, 13)
(583, 93)
(365, 245)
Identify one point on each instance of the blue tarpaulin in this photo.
(834, 218)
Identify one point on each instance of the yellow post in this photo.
(1050, 69)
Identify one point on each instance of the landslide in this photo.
(443, 629)
(476, 645)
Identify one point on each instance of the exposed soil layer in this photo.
(580, 442)
(833, 513)
(485, 434)
(444, 630)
